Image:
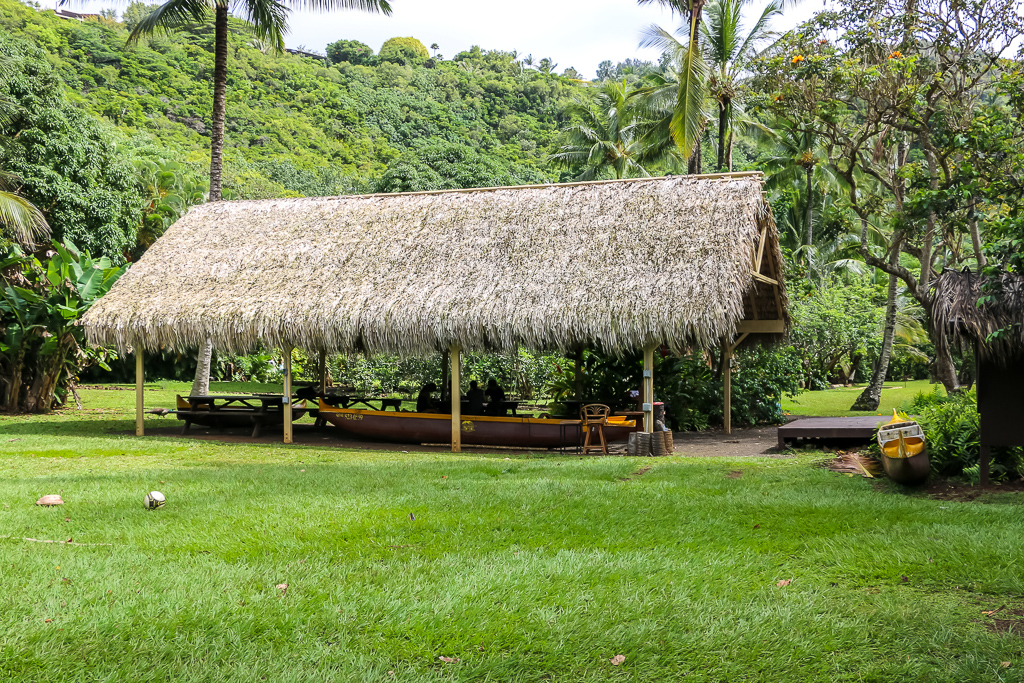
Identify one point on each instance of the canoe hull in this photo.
(907, 471)
(902, 436)
(477, 430)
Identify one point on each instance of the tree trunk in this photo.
(872, 394)
(723, 126)
(201, 384)
(728, 152)
(972, 223)
(810, 207)
(220, 81)
(14, 395)
(693, 164)
(943, 366)
(926, 244)
(39, 395)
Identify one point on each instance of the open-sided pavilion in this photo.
(681, 262)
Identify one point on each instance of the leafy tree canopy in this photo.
(69, 164)
(447, 166)
(351, 51)
(404, 51)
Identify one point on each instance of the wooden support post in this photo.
(727, 379)
(985, 462)
(648, 392)
(140, 426)
(456, 355)
(323, 373)
(287, 398)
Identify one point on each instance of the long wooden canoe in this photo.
(480, 430)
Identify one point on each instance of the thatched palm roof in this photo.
(617, 265)
(956, 312)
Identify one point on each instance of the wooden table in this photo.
(232, 410)
(347, 401)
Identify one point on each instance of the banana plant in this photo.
(41, 302)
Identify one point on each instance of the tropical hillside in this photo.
(887, 157)
(295, 126)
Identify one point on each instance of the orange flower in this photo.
(798, 59)
(896, 55)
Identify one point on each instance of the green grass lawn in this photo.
(522, 569)
(837, 402)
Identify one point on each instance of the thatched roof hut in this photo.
(616, 265)
(1000, 360)
(956, 313)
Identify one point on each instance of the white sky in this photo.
(577, 33)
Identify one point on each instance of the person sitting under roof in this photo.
(497, 396)
(475, 397)
(424, 402)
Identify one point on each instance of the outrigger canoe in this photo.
(904, 455)
(478, 430)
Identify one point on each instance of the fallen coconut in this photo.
(51, 499)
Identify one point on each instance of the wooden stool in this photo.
(594, 416)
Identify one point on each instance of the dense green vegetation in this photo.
(296, 126)
(514, 568)
(111, 141)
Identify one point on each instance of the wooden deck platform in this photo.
(846, 429)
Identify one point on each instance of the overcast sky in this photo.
(577, 33)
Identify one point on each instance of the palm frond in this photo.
(381, 6)
(171, 15)
(267, 20)
(690, 112)
(22, 221)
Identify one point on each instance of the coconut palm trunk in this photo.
(723, 131)
(201, 382)
(220, 85)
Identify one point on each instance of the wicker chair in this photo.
(594, 417)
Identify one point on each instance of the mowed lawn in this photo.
(537, 568)
(837, 402)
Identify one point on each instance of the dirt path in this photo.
(757, 441)
(742, 443)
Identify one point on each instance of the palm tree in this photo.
(795, 157)
(688, 114)
(606, 136)
(20, 221)
(726, 50)
(268, 22)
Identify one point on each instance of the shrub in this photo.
(952, 431)
(404, 51)
(351, 51)
(694, 392)
(923, 400)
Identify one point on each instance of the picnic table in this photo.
(507, 406)
(235, 410)
(347, 401)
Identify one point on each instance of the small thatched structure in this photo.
(617, 265)
(956, 312)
